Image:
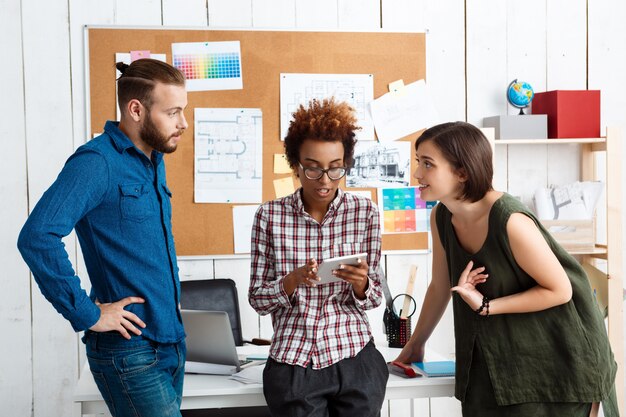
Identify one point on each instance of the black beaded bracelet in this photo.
(484, 305)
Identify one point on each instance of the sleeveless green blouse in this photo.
(561, 354)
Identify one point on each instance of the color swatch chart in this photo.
(209, 65)
(403, 211)
(201, 66)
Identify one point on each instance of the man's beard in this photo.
(152, 137)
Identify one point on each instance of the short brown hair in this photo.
(326, 120)
(466, 148)
(139, 78)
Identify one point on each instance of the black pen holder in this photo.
(398, 329)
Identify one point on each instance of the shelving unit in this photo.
(611, 252)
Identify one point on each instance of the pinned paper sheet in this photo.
(284, 187)
(355, 89)
(397, 88)
(209, 65)
(403, 211)
(135, 55)
(228, 155)
(243, 217)
(281, 166)
(391, 159)
(396, 116)
(126, 58)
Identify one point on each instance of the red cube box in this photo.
(571, 113)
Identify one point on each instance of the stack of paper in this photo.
(192, 367)
(250, 375)
(575, 201)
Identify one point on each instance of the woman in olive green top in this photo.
(530, 339)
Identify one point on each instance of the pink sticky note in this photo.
(135, 55)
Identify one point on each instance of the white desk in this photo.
(215, 391)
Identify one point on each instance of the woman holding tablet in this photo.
(322, 359)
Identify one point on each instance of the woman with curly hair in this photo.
(322, 360)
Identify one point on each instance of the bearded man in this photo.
(113, 192)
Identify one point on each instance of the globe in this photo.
(520, 94)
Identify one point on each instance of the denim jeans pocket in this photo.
(138, 361)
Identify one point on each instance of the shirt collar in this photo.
(299, 204)
(123, 142)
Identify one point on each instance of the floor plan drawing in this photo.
(228, 155)
(355, 89)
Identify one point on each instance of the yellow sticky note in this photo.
(397, 88)
(283, 187)
(281, 166)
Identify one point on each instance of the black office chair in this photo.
(219, 295)
(216, 295)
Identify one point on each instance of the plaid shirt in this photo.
(322, 324)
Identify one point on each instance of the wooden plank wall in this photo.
(474, 49)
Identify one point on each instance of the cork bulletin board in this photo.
(207, 229)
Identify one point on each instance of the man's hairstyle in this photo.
(466, 148)
(326, 120)
(140, 77)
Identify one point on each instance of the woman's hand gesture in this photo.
(466, 286)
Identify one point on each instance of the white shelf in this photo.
(598, 251)
(548, 141)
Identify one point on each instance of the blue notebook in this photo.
(435, 368)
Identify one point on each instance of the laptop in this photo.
(210, 343)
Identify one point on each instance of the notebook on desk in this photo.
(435, 368)
(210, 344)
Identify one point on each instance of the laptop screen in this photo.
(209, 337)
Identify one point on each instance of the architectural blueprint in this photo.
(355, 89)
(228, 155)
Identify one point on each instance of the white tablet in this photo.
(325, 269)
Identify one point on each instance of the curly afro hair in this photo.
(326, 120)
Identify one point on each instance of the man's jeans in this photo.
(137, 377)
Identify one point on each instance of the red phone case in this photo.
(407, 369)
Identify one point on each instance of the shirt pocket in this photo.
(167, 190)
(136, 202)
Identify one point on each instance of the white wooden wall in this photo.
(474, 48)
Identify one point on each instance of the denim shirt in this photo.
(118, 202)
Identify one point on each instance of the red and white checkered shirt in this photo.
(322, 324)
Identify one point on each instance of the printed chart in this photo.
(209, 65)
(402, 211)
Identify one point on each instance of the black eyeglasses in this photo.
(314, 173)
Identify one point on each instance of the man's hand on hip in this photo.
(114, 317)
